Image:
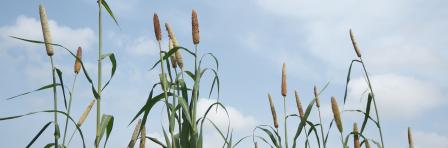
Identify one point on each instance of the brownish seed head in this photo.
(78, 60)
(179, 59)
(316, 95)
(299, 104)
(355, 44)
(410, 139)
(195, 26)
(336, 113)
(157, 30)
(274, 114)
(172, 57)
(171, 35)
(85, 113)
(356, 142)
(143, 137)
(284, 80)
(256, 145)
(46, 31)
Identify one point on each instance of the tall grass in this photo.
(105, 125)
(185, 126)
(275, 140)
(179, 90)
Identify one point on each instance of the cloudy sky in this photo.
(403, 43)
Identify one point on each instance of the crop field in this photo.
(278, 74)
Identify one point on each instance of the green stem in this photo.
(374, 102)
(178, 94)
(306, 134)
(194, 98)
(69, 108)
(165, 91)
(286, 126)
(342, 140)
(321, 128)
(55, 103)
(100, 53)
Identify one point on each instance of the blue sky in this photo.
(403, 43)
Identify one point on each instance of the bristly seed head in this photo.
(299, 104)
(157, 30)
(355, 44)
(410, 139)
(46, 31)
(284, 92)
(316, 95)
(85, 113)
(179, 59)
(356, 143)
(274, 114)
(195, 26)
(172, 57)
(336, 113)
(78, 60)
(171, 35)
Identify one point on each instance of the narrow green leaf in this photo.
(303, 122)
(114, 67)
(156, 141)
(38, 134)
(367, 114)
(106, 6)
(59, 72)
(49, 111)
(39, 89)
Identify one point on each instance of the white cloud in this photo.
(31, 57)
(30, 28)
(142, 46)
(399, 96)
(388, 32)
(429, 139)
(239, 121)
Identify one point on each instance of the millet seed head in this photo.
(299, 104)
(336, 113)
(46, 31)
(355, 44)
(274, 114)
(195, 26)
(157, 30)
(284, 87)
(78, 60)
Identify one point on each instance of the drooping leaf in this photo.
(50, 111)
(59, 72)
(39, 89)
(106, 6)
(114, 67)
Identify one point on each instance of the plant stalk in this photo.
(321, 127)
(55, 103)
(374, 102)
(286, 126)
(69, 108)
(99, 88)
(162, 66)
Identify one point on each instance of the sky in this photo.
(402, 42)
